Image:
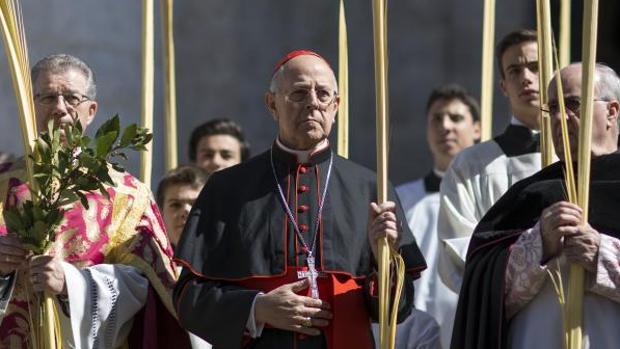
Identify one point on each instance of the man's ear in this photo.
(502, 87)
(92, 110)
(477, 131)
(270, 103)
(613, 108)
(336, 105)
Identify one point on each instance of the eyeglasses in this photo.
(72, 99)
(571, 103)
(324, 97)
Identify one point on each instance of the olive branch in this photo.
(67, 165)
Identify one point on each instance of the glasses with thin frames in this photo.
(71, 99)
(324, 97)
(570, 103)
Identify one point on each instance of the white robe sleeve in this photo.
(198, 343)
(418, 331)
(103, 300)
(457, 214)
(606, 281)
(456, 222)
(253, 328)
(525, 276)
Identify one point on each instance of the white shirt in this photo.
(477, 177)
(432, 296)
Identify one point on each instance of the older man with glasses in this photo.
(111, 263)
(508, 299)
(279, 251)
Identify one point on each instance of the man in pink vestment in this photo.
(110, 267)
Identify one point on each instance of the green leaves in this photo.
(113, 125)
(68, 165)
(106, 136)
(128, 135)
(13, 220)
(105, 142)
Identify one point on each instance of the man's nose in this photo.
(218, 160)
(445, 123)
(186, 208)
(312, 99)
(59, 107)
(528, 77)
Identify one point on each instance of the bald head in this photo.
(306, 62)
(606, 81)
(303, 100)
(605, 109)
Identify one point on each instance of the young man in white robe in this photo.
(479, 175)
(452, 124)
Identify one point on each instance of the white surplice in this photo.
(431, 294)
(103, 299)
(532, 305)
(477, 177)
(418, 331)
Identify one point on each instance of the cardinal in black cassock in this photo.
(272, 220)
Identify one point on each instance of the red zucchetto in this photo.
(294, 54)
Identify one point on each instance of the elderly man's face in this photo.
(61, 96)
(604, 117)
(305, 103)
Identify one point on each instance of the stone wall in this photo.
(226, 51)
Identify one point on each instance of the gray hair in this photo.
(62, 63)
(275, 79)
(608, 83)
(6, 157)
(277, 76)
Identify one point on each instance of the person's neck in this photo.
(608, 149)
(525, 120)
(441, 164)
(595, 153)
(302, 154)
(438, 172)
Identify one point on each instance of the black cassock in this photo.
(238, 241)
(480, 322)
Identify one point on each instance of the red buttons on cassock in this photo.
(303, 188)
(302, 208)
(303, 228)
(303, 169)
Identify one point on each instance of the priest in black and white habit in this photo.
(479, 175)
(507, 299)
(261, 232)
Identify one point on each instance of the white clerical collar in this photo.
(517, 122)
(439, 174)
(303, 155)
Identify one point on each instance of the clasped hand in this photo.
(382, 223)
(283, 309)
(45, 273)
(562, 231)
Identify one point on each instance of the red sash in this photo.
(350, 326)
